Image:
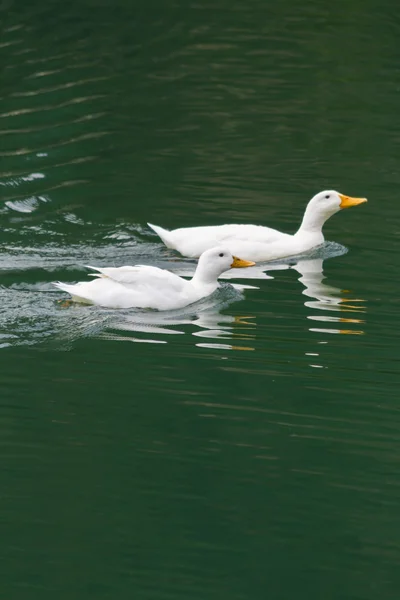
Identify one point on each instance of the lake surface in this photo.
(246, 448)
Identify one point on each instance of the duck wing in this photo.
(142, 277)
(248, 233)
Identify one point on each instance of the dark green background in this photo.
(255, 454)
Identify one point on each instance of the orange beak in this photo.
(239, 263)
(347, 201)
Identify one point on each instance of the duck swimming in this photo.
(150, 287)
(258, 243)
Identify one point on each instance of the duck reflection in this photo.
(330, 310)
(211, 324)
(327, 298)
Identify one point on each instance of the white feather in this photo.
(150, 287)
(255, 242)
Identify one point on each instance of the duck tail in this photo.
(164, 234)
(72, 290)
(62, 286)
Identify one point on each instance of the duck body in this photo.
(253, 242)
(256, 242)
(143, 286)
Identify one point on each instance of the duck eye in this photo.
(328, 196)
(221, 255)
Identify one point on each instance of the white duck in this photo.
(150, 287)
(258, 243)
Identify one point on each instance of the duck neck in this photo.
(203, 278)
(312, 223)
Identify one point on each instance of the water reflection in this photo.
(33, 314)
(327, 298)
(240, 331)
(330, 309)
(205, 315)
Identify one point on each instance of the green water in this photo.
(246, 449)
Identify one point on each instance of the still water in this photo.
(248, 447)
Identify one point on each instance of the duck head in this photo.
(215, 261)
(324, 205)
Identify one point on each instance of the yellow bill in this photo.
(239, 263)
(347, 201)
